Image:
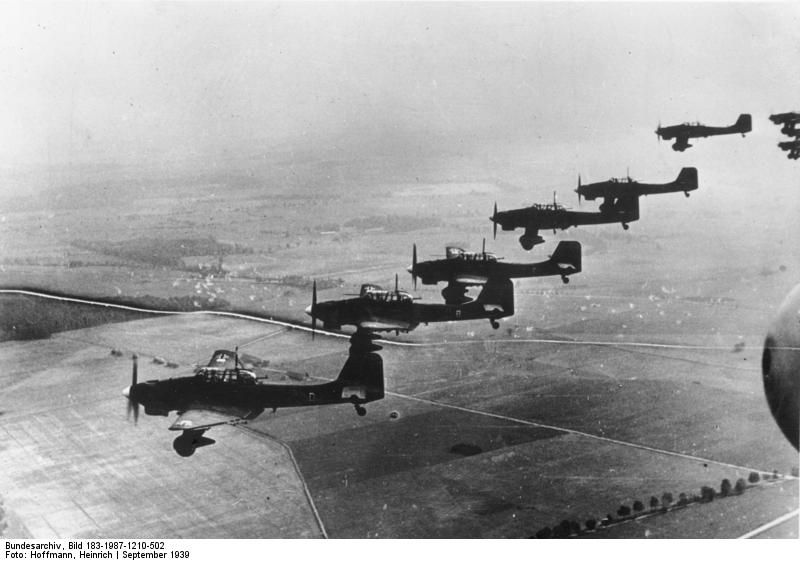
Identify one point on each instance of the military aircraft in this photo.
(461, 269)
(791, 146)
(537, 217)
(613, 189)
(226, 393)
(683, 132)
(375, 309)
(780, 367)
(789, 121)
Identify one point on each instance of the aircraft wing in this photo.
(471, 280)
(385, 325)
(202, 419)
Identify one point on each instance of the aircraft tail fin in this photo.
(687, 179)
(568, 256)
(498, 294)
(744, 123)
(363, 371)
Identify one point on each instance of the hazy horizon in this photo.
(528, 94)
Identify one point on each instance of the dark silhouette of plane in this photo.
(614, 189)
(789, 120)
(792, 147)
(682, 133)
(461, 269)
(780, 367)
(225, 393)
(376, 309)
(554, 216)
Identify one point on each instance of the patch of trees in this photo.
(393, 223)
(191, 303)
(297, 281)
(625, 512)
(160, 252)
(27, 318)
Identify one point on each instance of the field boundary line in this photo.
(300, 327)
(778, 521)
(257, 434)
(581, 433)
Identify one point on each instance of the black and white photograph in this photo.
(397, 270)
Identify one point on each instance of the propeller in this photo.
(314, 310)
(578, 190)
(658, 131)
(494, 220)
(414, 266)
(133, 405)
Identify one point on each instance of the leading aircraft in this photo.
(376, 309)
(789, 120)
(226, 393)
(537, 217)
(614, 188)
(683, 132)
(461, 269)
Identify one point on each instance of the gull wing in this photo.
(471, 280)
(385, 325)
(202, 419)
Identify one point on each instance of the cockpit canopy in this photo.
(548, 206)
(224, 367)
(377, 294)
(223, 359)
(458, 253)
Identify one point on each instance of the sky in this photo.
(133, 82)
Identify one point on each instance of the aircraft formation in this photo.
(620, 204)
(790, 127)
(226, 391)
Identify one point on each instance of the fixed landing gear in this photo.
(455, 294)
(526, 243)
(186, 444)
(360, 411)
(362, 341)
(494, 323)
